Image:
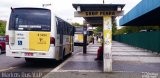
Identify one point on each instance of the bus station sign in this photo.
(98, 13)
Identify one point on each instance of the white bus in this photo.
(37, 33)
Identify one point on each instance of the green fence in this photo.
(146, 40)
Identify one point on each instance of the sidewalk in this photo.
(128, 62)
(84, 62)
(131, 59)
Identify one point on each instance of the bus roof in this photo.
(30, 8)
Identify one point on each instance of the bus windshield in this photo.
(29, 19)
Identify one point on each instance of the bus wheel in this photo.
(70, 54)
(63, 56)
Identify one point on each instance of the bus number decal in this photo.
(39, 41)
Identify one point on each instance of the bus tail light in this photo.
(52, 40)
(7, 39)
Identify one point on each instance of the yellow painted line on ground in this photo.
(10, 68)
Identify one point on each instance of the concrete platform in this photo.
(84, 62)
(132, 59)
(126, 59)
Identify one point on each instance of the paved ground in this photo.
(102, 75)
(11, 65)
(131, 59)
(128, 62)
(82, 62)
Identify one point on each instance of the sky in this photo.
(63, 8)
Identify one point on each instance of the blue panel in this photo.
(140, 9)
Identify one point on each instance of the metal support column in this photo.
(85, 40)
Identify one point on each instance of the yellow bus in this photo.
(79, 36)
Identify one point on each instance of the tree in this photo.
(99, 29)
(133, 29)
(2, 27)
(76, 24)
(114, 27)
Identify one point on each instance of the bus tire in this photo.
(70, 54)
(63, 55)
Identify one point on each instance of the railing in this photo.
(146, 40)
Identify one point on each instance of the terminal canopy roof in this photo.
(97, 12)
(146, 13)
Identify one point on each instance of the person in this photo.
(97, 37)
(100, 53)
(93, 39)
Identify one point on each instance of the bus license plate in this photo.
(28, 54)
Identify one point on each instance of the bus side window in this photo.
(67, 29)
(58, 27)
(61, 26)
(64, 28)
